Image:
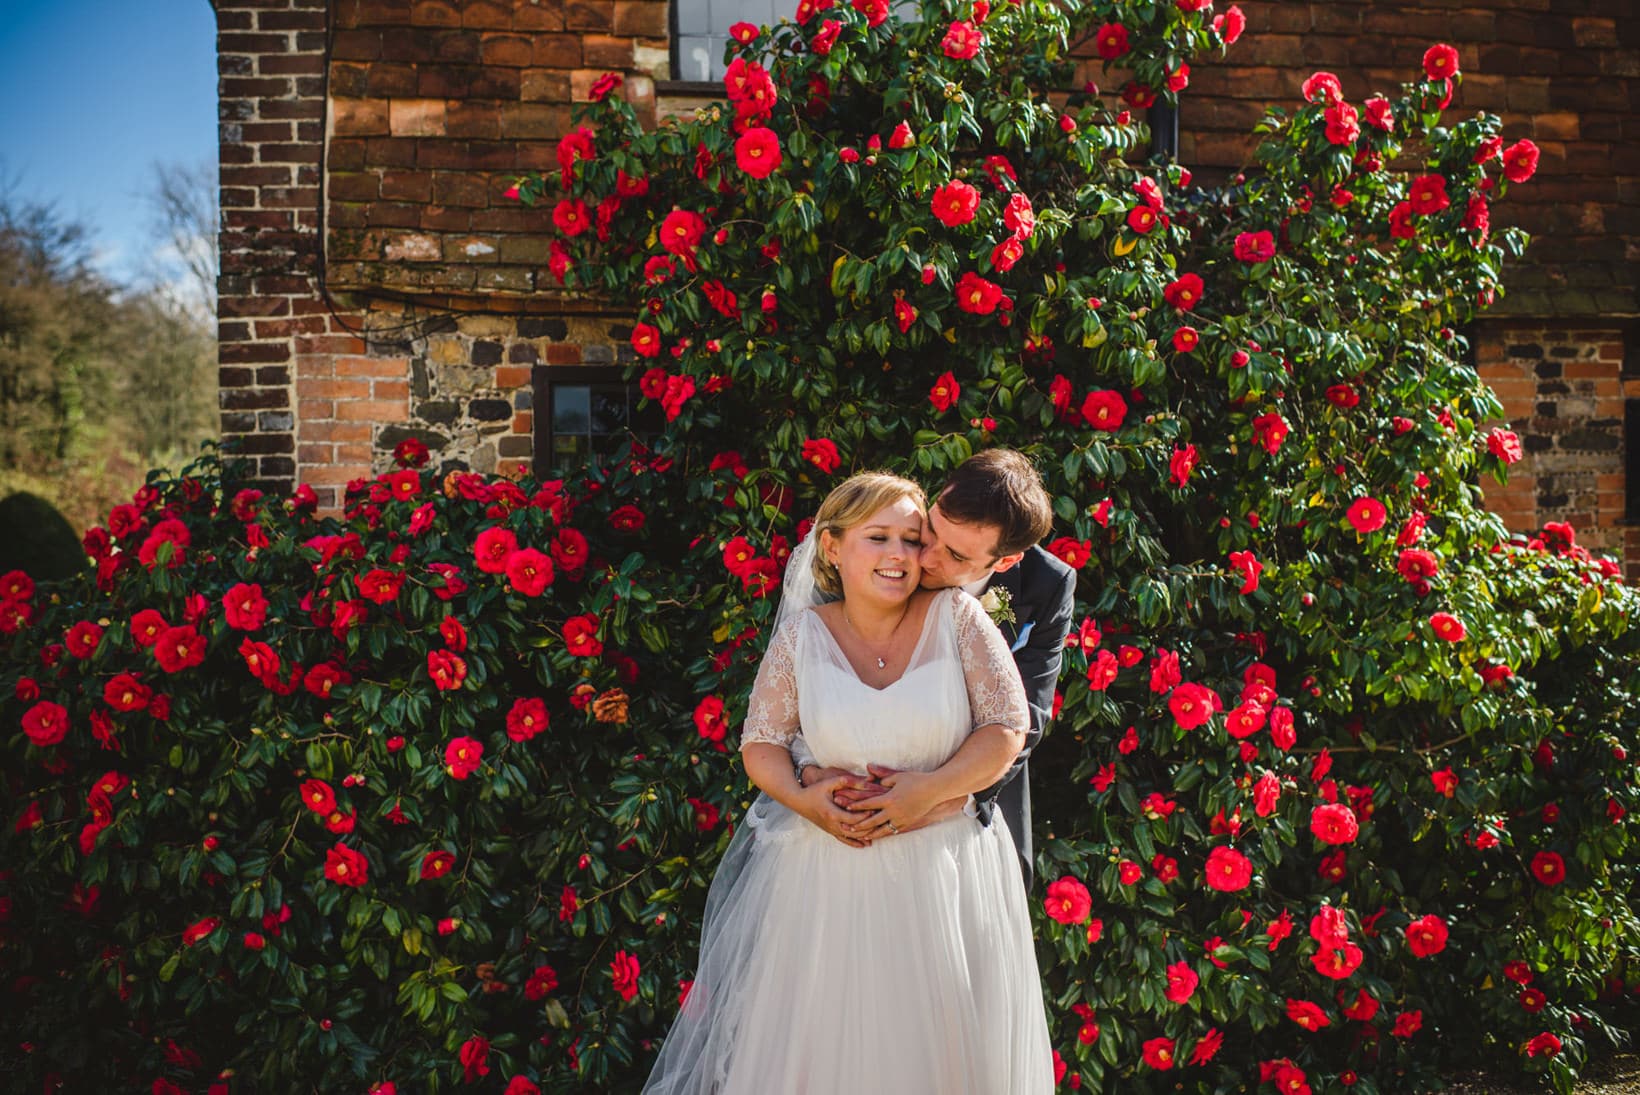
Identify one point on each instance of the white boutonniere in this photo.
(996, 605)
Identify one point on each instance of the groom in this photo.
(982, 534)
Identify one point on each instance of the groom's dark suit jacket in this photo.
(1042, 593)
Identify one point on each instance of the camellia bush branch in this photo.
(430, 793)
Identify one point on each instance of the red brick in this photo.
(411, 186)
(472, 119)
(486, 15)
(505, 49)
(644, 18)
(540, 85)
(558, 50)
(392, 81)
(372, 410)
(534, 119)
(359, 117)
(416, 117)
(543, 15)
(600, 51)
(435, 13)
(590, 15)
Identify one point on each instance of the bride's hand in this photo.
(816, 804)
(907, 800)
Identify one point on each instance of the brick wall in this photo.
(1565, 75)
(436, 108)
(1562, 388)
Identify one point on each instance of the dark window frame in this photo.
(545, 379)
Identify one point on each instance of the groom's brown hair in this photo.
(999, 487)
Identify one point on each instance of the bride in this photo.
(840, 954)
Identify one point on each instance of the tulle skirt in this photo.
(901, 969)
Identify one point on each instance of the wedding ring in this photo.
(893, 828)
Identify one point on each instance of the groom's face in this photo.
(956, 554)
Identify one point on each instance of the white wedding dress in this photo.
(904, 968)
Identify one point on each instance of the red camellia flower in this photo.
(624, 970)
(962, 40)
(346, 867)
(492, 548)
(1228, 871)
(1184, 293)
(1545, 1044)
(437, 864)
(1181, 464)
(1428, 194)
(944, 393)
(1142, 218)
(1269, 431)
(1334, 823)
(45, 723)
(706, 815)
(1549, 868)
(1307, 1014)
(540, 983)
(526, 718)
(179, 648)
(1366, 515)
(627, 518)
(1068, 901)
(976, 295)
(1337, 963)
(15, 585)
(453, 634)
(1408, 1023)
(82, 639)
(1445, 781)
(570, 217)
(1343, 123)
(1533, 1000)
(1250, 568)
(1447, 626)
(1111, 41)
(822, 453)
(1181, 982)
(581, 636)
(1426, 936)
(475, 1058)
(955, 203)
(1072, 552)
(529, 571)
(710, 720)
(1158, 1053)
(447, 670)
(1254, 247)
(1193, 704)
(462, 756)
(1504, 445)
(646, 340)
(324, 677)
(1518, 972)
(1104, 410)
(198, 930)
(1520, 161)
(244, 607)
(380, 586)
(1018, 217)
(318, 796)
(1440, 62)
(757, 152)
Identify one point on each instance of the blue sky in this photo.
(92, 94)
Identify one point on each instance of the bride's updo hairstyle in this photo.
(849, 503)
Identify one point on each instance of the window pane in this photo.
(608, 410)
(695, 17)
(571, 408)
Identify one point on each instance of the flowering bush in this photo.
(1338, 791)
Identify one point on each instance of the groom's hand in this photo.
(859, 789)
(939, 812)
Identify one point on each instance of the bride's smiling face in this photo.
(877, 558)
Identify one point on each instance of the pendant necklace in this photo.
(881, 664)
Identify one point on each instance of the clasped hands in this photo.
(859, 809)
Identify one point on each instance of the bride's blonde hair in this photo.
(849, 503)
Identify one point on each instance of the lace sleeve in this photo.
(996, 695)
(771, 716)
